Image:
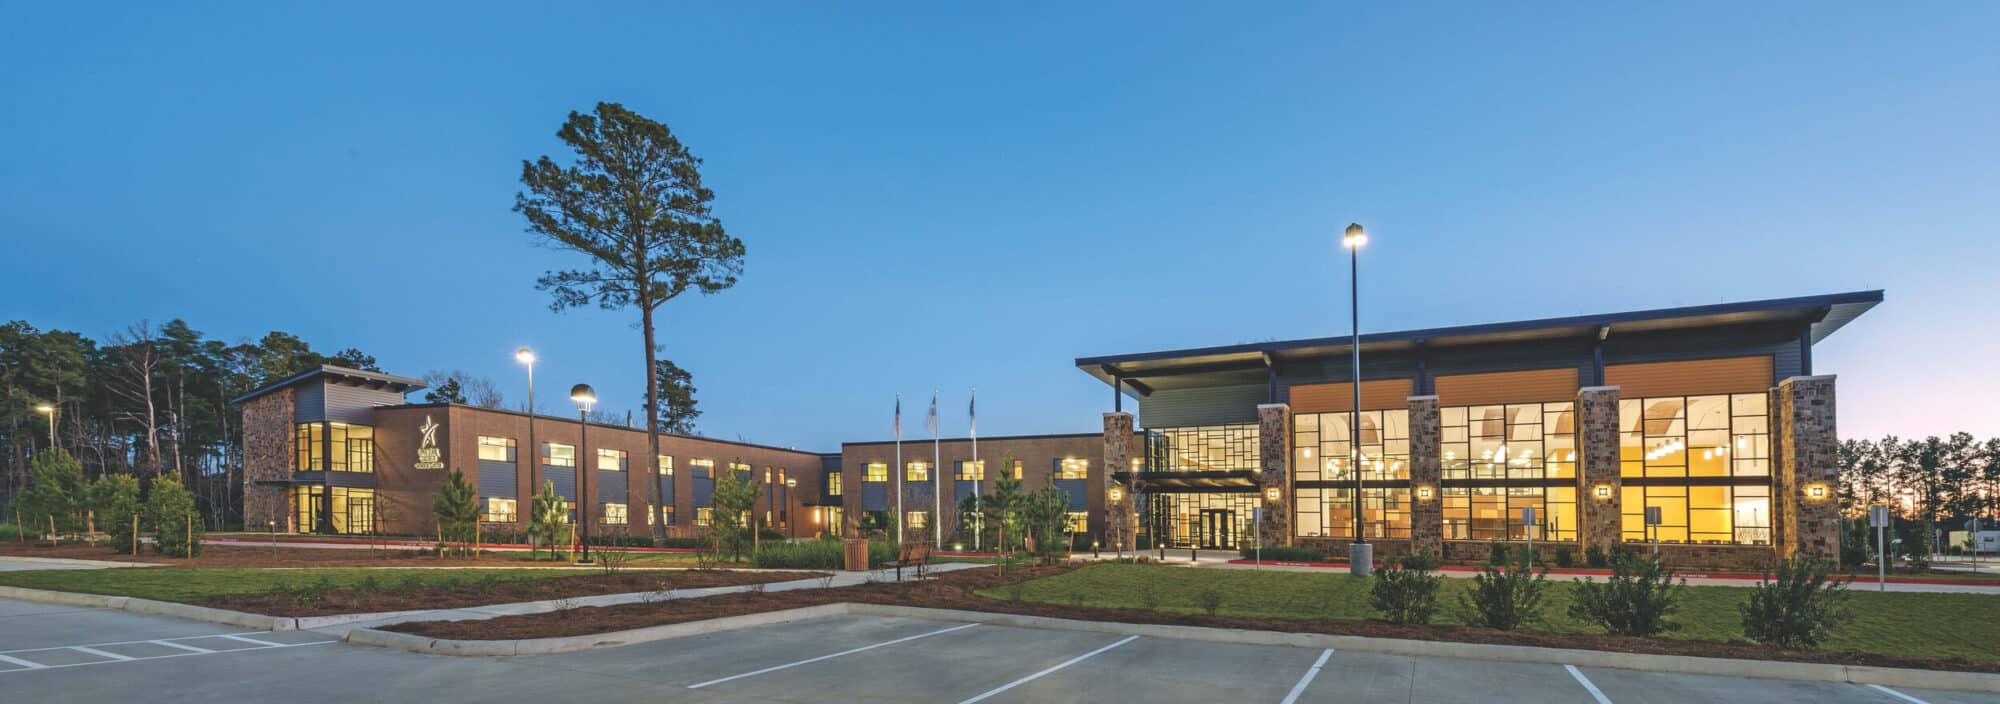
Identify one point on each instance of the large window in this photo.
(1695, 436)
(1496, 512)
(352, 510)
(1206, 448)
(611, 460)
(918, 520)
(1486, 450)
(666, 465)
(703, 468)
(561, 455)
(917, 471)
(613, 514)
(875, 472)
(1703, 461)
(1329, 511)
(971, 471)
(498, 510)
(496, 449)
(1073, 468)
(833, 487)
(1323, 453)
(334, 447)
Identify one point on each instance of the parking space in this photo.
(89, 655)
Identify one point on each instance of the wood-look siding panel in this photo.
(1330, 398)
(1701, 376)
(1507, 387)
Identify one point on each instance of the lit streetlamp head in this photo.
(791, 483)
(1355, 236)
(583, 395)
(45, 408)
(525, 356)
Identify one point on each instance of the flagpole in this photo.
(979, 473)
(896, 472)
(937, 479)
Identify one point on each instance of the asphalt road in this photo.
(68, 654)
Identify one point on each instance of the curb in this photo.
(1594, 572)
(569, 644)
(1761, 669)
(74, 561)
(156, 608)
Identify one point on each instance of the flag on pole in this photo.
(899, 415)
(972, 409)
(931, 422)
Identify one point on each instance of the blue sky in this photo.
(948, 197)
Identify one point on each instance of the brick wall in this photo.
(1121, 516)
(1807, 459)
(1597, 445)
(1426, 472)
(1274, 442)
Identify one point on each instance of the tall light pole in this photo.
(527, 357)
(1360, 555)
(50, 411)
(584, 397)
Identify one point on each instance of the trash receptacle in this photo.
(857, 553)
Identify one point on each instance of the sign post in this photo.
(1653, 524)
(1528, 527)
(1257, 531)
(1972, 529)
(1878, 518)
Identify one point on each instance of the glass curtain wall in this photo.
(1324, 467)
(1181, 516)
(1704, 461)
(1500, 459)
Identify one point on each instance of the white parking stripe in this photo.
(23, 663)
(1585, 681)
(253, 640)
(1300, 688)
(182, 646)
(1038, 675)
(851, 651)
(134, 642)
(1899, 695)
(99, 653)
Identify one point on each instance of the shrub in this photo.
(1504, 597)
(1798, 608)
(170, 510)
(55, 489)
(1636, 600)
(456, 505)
(1210, 601)
(1496, 554)
(1593, 556)
(683, 543)
(1283, 553)
(1565, 557)
(1406, 592)
(804, 554)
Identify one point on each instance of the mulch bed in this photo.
(472, 591)
(213, 555)
(954, 590)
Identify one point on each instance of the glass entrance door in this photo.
(1218, 528)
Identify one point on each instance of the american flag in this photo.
(899, 415)
(972, 409)
(931, 422)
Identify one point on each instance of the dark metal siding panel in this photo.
(352, 480)
(1078, 491)
(356, 404)
(611, 487)
(874, 496)
(1171, 408)
(667, 490)
(565, 481)
(704, 491)
(310, 403)
(496, 479)
(963, 488)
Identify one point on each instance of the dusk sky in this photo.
(958, 196)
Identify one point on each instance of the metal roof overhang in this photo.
(338, 375)
(1189, 481)
(1247, 364)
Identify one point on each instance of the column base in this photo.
(1361, 559)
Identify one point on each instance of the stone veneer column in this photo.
(1274, 469)
(1426, 473)
(1120, 516)
(1598, 520)
(268, 454)
(1807, 459)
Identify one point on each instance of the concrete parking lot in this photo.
(56, 653)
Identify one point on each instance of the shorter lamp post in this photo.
(791, 487)
(50, 411)
(585, 397)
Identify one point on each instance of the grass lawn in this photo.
(194, 585)
(1892, 623)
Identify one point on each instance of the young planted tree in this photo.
(457, 509)
(54, 495)
(735, 496)
(170, 512)
(633, 202)
(114, 501)
(546, 516)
